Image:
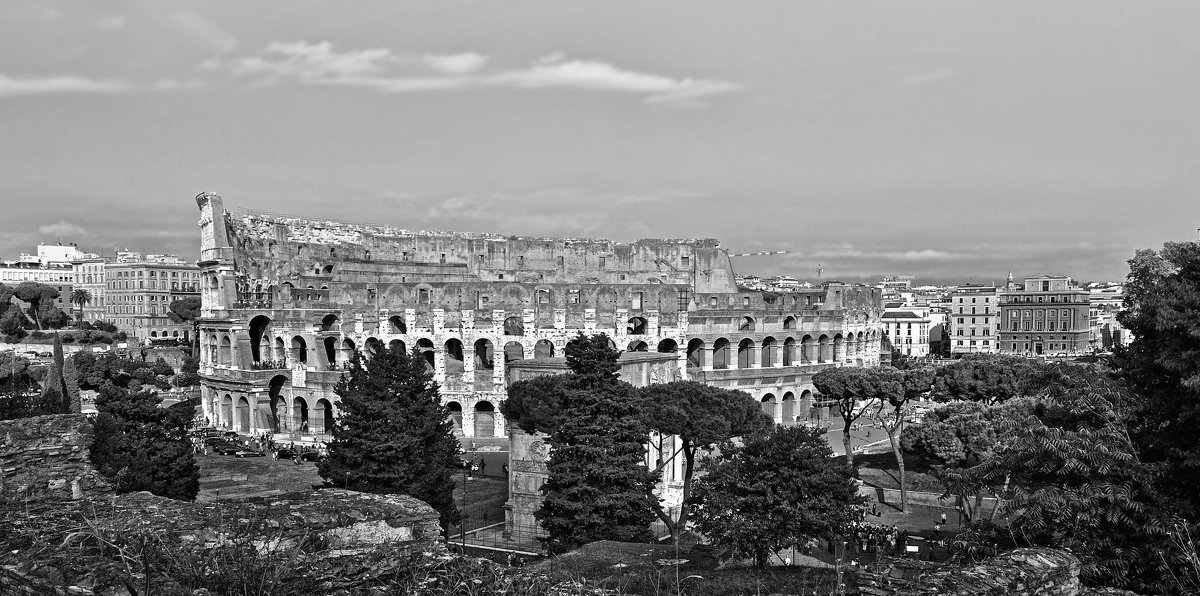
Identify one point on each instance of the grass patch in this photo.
(880, 470)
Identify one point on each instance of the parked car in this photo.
(248, 453)
(231, 435)
(227, 448)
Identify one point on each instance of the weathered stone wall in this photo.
(48, 457)
(1025, 571)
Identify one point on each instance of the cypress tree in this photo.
(394, 436)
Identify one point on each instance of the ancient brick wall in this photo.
(48, 457)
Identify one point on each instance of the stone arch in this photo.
(747, 324)
(330, 344)
(513, 326)
(769, 357)
(299, 350)
(485, 419)
(839, 347)
(452, 356)
(278, 403)
(745, 350)
(768, 405)
(426, 350)
(789, 408)
(396, 325)
(372, 347)
(243, 415)
(154, 334)
(543, 349)
(226, 353)
(455, 415)
(636, 326)
(808, 350)
(323, 422)
(227, 410)
(789, 322)
(824, 349)
(721, 353)
(328, 269)
(300, 413)
(789, 352)
(330, 322)
(280, 352)
(397, 344)
(513, 350)
(668, 346)
(484, 354)
(695, 353)
(638, 345)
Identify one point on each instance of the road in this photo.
(493, 461)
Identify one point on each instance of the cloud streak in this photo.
(62, 228)
(321, 64)
(14, 87)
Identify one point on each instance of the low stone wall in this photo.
(1025, 571)
(891, 496)
(49, 457)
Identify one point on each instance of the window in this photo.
(404, 256)
(422, 296)
(501, 276)
(543, 297)
(712, 301)
(1045, 286)
(1038, 327)
(521, 261)
(1050, 326)
(745, 299)
(987, 331)
(602, 262)
(960, 342)
(637, 301)
(561, 262)
(480, 258)
(685, 261)
(960, 320)
(443, 258)
(960, 332)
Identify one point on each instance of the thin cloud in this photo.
(177, 84)
(455, 64)
(62, 228)
(321, 64)
(13, 87)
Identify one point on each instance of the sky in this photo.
(950, 140)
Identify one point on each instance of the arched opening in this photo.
(328, 269)
(485, 419)
(839, 348)
(453, 356)
(744, 350)
(227, 411)
(226, 355)
(721, 353)
(299, 350)
(543, 349)
(330, 322)
(789, 408)
(280, 352)
(513, 326)
(485, 363)
(324, 417)
(396, 324)
(278, 405)
(425, 348)
(154, 334)
(768, 352)
(331, 351)
(373, 347)
(695, 353)
(824, 349)
(768, 405)
(396, 344)
(789, 322)
(638, 345)
(258, 330)
(456, 415)
(347, 350)
(746, 325)
(808, 350)
(300, 414)
(513, 350)
(243, 415)
(636, 326)
(668, 346)
(789, 351)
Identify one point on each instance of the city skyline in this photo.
(940, 140)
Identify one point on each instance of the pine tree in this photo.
(140, 446)
(60, 391)
(394, 436)
(599, 485)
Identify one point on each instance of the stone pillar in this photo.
(621, 321)
(439, 321)
(778, 360)
(410, 319)
(755, 356)
(384, 324)
(467, 321)
(468, 374)
(708, 357)
(529, 321)
(777, 408)
(652, 319)
(439, 364)
(358, 323)
(589, 319)
(560, 318)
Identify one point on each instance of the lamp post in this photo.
(468, 474)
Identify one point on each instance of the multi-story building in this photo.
(974, 320)
(50, 266)
(1050, 315)
(1107, 331)
(286, 301)
(906, 330)
(138, 293)
(88, 274)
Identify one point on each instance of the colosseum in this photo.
(286, 300)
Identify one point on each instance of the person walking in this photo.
(943, 518)
(482, 465)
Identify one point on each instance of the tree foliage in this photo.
(18, 398)
(778, 490)
(94, 370)
(854, 390)
(41, 303)
(141, 446)
(701, 417)
(598, 486)
(394, 436)
(986, 378)
(187, 310)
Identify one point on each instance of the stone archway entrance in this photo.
(485, 419)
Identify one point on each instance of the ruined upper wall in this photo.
(49, 457)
